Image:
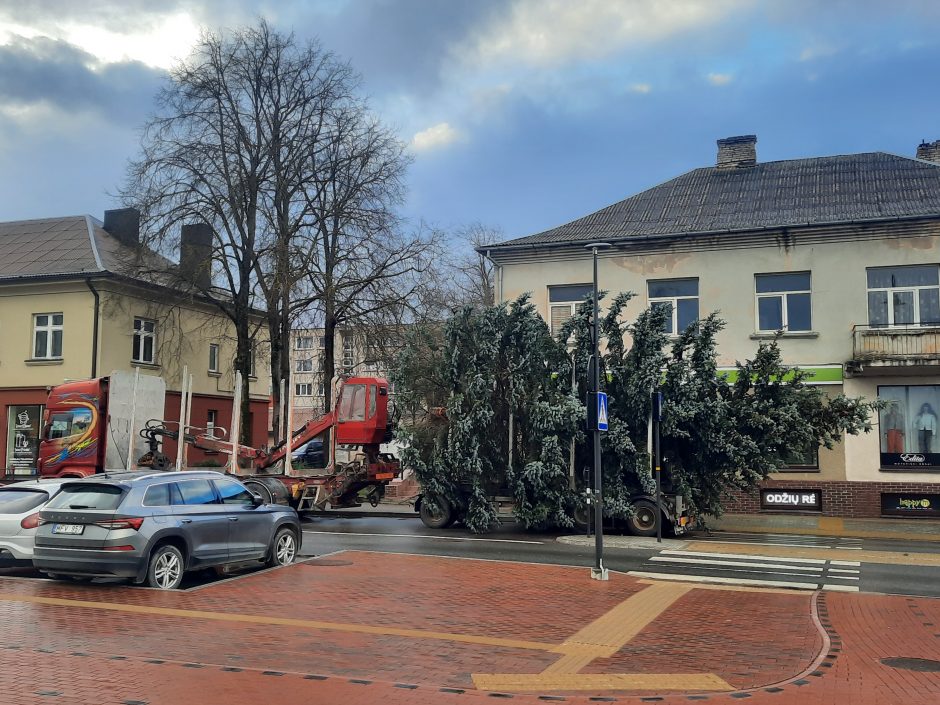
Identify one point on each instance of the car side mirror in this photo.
(256, 499)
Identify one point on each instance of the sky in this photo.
(520, 114)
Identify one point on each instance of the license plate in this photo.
(68, 528)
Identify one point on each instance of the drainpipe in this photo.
(94, 333)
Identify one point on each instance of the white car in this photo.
(20, 504)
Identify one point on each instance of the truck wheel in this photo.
(283, 548)
(166, 568)
(582, 517)
(436, 512)
(262, 490)
(643, 521)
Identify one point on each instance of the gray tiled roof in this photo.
(50, 247)
(820, 190)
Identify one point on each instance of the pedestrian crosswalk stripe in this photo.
(842, 570)
(853, 563)
(736, 556)
(841, 588)
(740, 564)
(714, 579)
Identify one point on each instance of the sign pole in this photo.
(598, 572)
(657, 403)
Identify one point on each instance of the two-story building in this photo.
(72, 307)
(841, 253)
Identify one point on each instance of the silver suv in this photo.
(152, 527)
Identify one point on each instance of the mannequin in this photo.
(894, 425)
(926, 425)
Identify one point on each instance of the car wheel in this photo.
(166, 568)
(643, 521)
(436, 513)
(283, 548)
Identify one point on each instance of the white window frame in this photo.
(212, 420)
(304, 364)
(915, 289)
(251, 359)
(673, 301)
(213, 357)
(348, 354)
(140, 334)
(50, 328)
(303, 389)
(569, 307)
(304, 342)
(784, 303)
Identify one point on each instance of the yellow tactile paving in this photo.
(596, 681)
(284, 621)
(831, 554)
(607, 634)
(723, 587)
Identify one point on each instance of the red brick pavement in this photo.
(766, 644)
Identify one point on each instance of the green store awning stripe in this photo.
(822, 374)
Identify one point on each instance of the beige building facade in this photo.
(841, 253)
(70, 310)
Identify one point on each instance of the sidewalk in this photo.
(901, 529)
(359, 627)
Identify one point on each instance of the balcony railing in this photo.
(904, 344)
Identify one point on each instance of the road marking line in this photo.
(723, 581)
(599, 681)
(281, 621)
(855, 563)
(806, 576)
(841, 588)
(843, 570)
(422, 536)
(816, 561)
(744, 564)
(775, 543)
(842, 577)
(863, 555)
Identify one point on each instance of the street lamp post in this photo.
(598, 572)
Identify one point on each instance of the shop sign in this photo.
(928, 462)
(23, 428)
(915, 506)
(806, 500)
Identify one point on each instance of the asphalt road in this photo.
(774, 563)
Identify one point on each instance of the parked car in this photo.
(309, 455)
(19, 517)
(153, 527)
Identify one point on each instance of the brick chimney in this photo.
(929, 151)
(124, 224)
(737, 152)
(196, 254)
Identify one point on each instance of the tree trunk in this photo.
(277, 353)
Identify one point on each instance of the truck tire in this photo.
(643, 521)
(583, 515)
(436, 512)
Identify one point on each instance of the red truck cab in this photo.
(73, 438)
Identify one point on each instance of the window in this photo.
(304, 342)
(373, 392)
(320, 389)
(144, 341)
(87, 496)
(233, 493)
(213, 357)
(212, 418)
(304, 389)
(197, 492)
(908, 427)
(904, 296)
(47, 335)
(348, 362)
(304, 364)
(69, 423)
(563, 301)
(352, 405)
(802, 459)
(680, 296)
(783, 302)
(14, 501)
(158, 495)
(251, 359)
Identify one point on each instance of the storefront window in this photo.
(24, 423)
(802, 459)
(909, 427)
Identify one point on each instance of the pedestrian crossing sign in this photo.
(601, 411)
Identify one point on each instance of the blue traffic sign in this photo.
(601, 411)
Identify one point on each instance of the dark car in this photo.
(153, 527)
(310, 455)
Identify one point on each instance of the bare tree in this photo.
(473, 271)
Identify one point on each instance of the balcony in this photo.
(895, 349)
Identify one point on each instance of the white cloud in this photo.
(435, 137)
(156, 40)
(551, 32)
(641, 88)
(720, 79)
(817, 51)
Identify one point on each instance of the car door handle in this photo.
(233, 518)
(186, 521)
